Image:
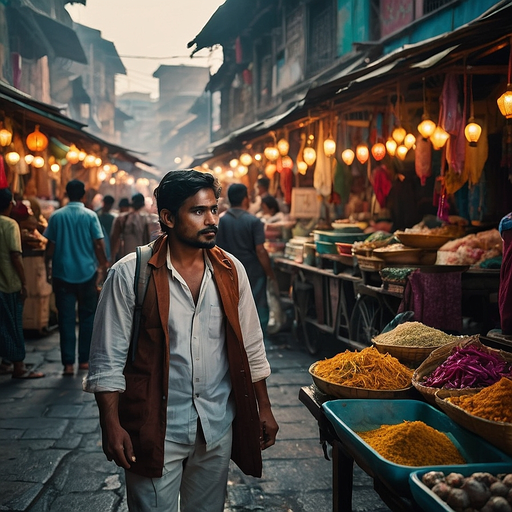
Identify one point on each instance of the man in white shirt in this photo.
(194, 394)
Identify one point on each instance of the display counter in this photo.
(338, 298)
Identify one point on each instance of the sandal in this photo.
(69, 371)
(28, 375)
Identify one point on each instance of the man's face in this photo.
(196, 223)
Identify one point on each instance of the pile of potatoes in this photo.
(479, 492)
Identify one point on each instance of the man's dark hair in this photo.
(237, 192)
(263, 181)
(5, 198)
(271, 202)
(124, 202)
(108, 199)
(75, 190)
(138, 201)
(177, 186)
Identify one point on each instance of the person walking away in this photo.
(243, 235)
(189, 391)
(13, 291)
(106, 220)
(131, 229)
(124, 205)
(262, 186)
(74, 250)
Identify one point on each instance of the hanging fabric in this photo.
(322, 179)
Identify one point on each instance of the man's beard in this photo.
(195, 242)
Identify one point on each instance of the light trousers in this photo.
(193, 479)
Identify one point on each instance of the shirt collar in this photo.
(171, 269)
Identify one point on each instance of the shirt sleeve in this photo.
(112, 329)
(14, 237)
(258, 232)
(97, 231)
(251, 328)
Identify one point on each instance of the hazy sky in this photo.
(158, 30)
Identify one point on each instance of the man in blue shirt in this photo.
(75, 246)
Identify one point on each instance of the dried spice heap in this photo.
(413, 443)
(415, 334)
(492, 403)
(367, 369)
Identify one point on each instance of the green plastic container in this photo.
(336, 236)
(356, 415)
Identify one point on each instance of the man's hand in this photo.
(268, 429)
(117, 446)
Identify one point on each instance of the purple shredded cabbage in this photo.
(469, 367)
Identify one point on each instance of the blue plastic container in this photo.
(428, 500)
(356, 415)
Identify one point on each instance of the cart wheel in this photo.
(365, 320)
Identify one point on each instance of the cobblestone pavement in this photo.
(51, 458)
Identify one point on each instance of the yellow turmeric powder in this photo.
(367, 369)
(413, 443)
(492, 403)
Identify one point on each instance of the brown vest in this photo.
(143, 406)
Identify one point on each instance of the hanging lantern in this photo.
(246, 159)
(348, 156)
(102, 175)
(98, 161)
(391, 146)
(257, 157)
(55, 167)
(439, 138)
(426, 128)
(242, 170)
(37, 141)
(329, 146)
(271, 153)
(399, 134)
(217, 169)
(233, 163)
(378, 151)
(283, 146)
(12, 158)
(5, 137)
(362, 153)
(81, 155)
(505, 102)
(472, 132)
(286, 162)
(302, 167)
(72, 155)
(409, 140)
(401, 151)
(89, 161)
(38, 162)
(309, 155)
(270, 170)
(112, 181)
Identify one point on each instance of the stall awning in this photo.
(34, 35)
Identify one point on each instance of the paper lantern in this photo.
(283, 146)
(329, 146)
(409, 140)
(472, 132)
(426, 128)
(89, 161)
(5, 137)
(55, 168)
(98, 161)
(391, 146)
(38, 162)
(12, 158)
(401, 151)
(286, 162)
(309, 155)
(348, 156)
(378, 151)
(29, 159)
(362, 153)
(81, 155)
(270, 170)
(399, 134)
(302, 167)
(271, 153)
(242, 170)
(505, 102)
(439, 137)
(233, 163)
(246, 159)
(37, 141)
(72, 155)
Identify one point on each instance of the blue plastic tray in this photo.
(428, 500)
(356, 415)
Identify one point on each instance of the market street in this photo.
(51, 457)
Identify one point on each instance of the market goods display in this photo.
(479, 491)
(412, 342)
(487, 412)
(413, 443)
(466, 364)
(376, 239)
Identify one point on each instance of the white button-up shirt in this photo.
(199, 381)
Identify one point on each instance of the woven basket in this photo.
(497, 433)
(410, 356)
(437, 357)
(370, 263)
(339, 391)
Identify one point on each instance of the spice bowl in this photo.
(410, 356)
(348, 417)
(498, 433)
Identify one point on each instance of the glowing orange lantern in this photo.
(37, 141)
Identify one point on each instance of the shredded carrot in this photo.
(367, 369)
